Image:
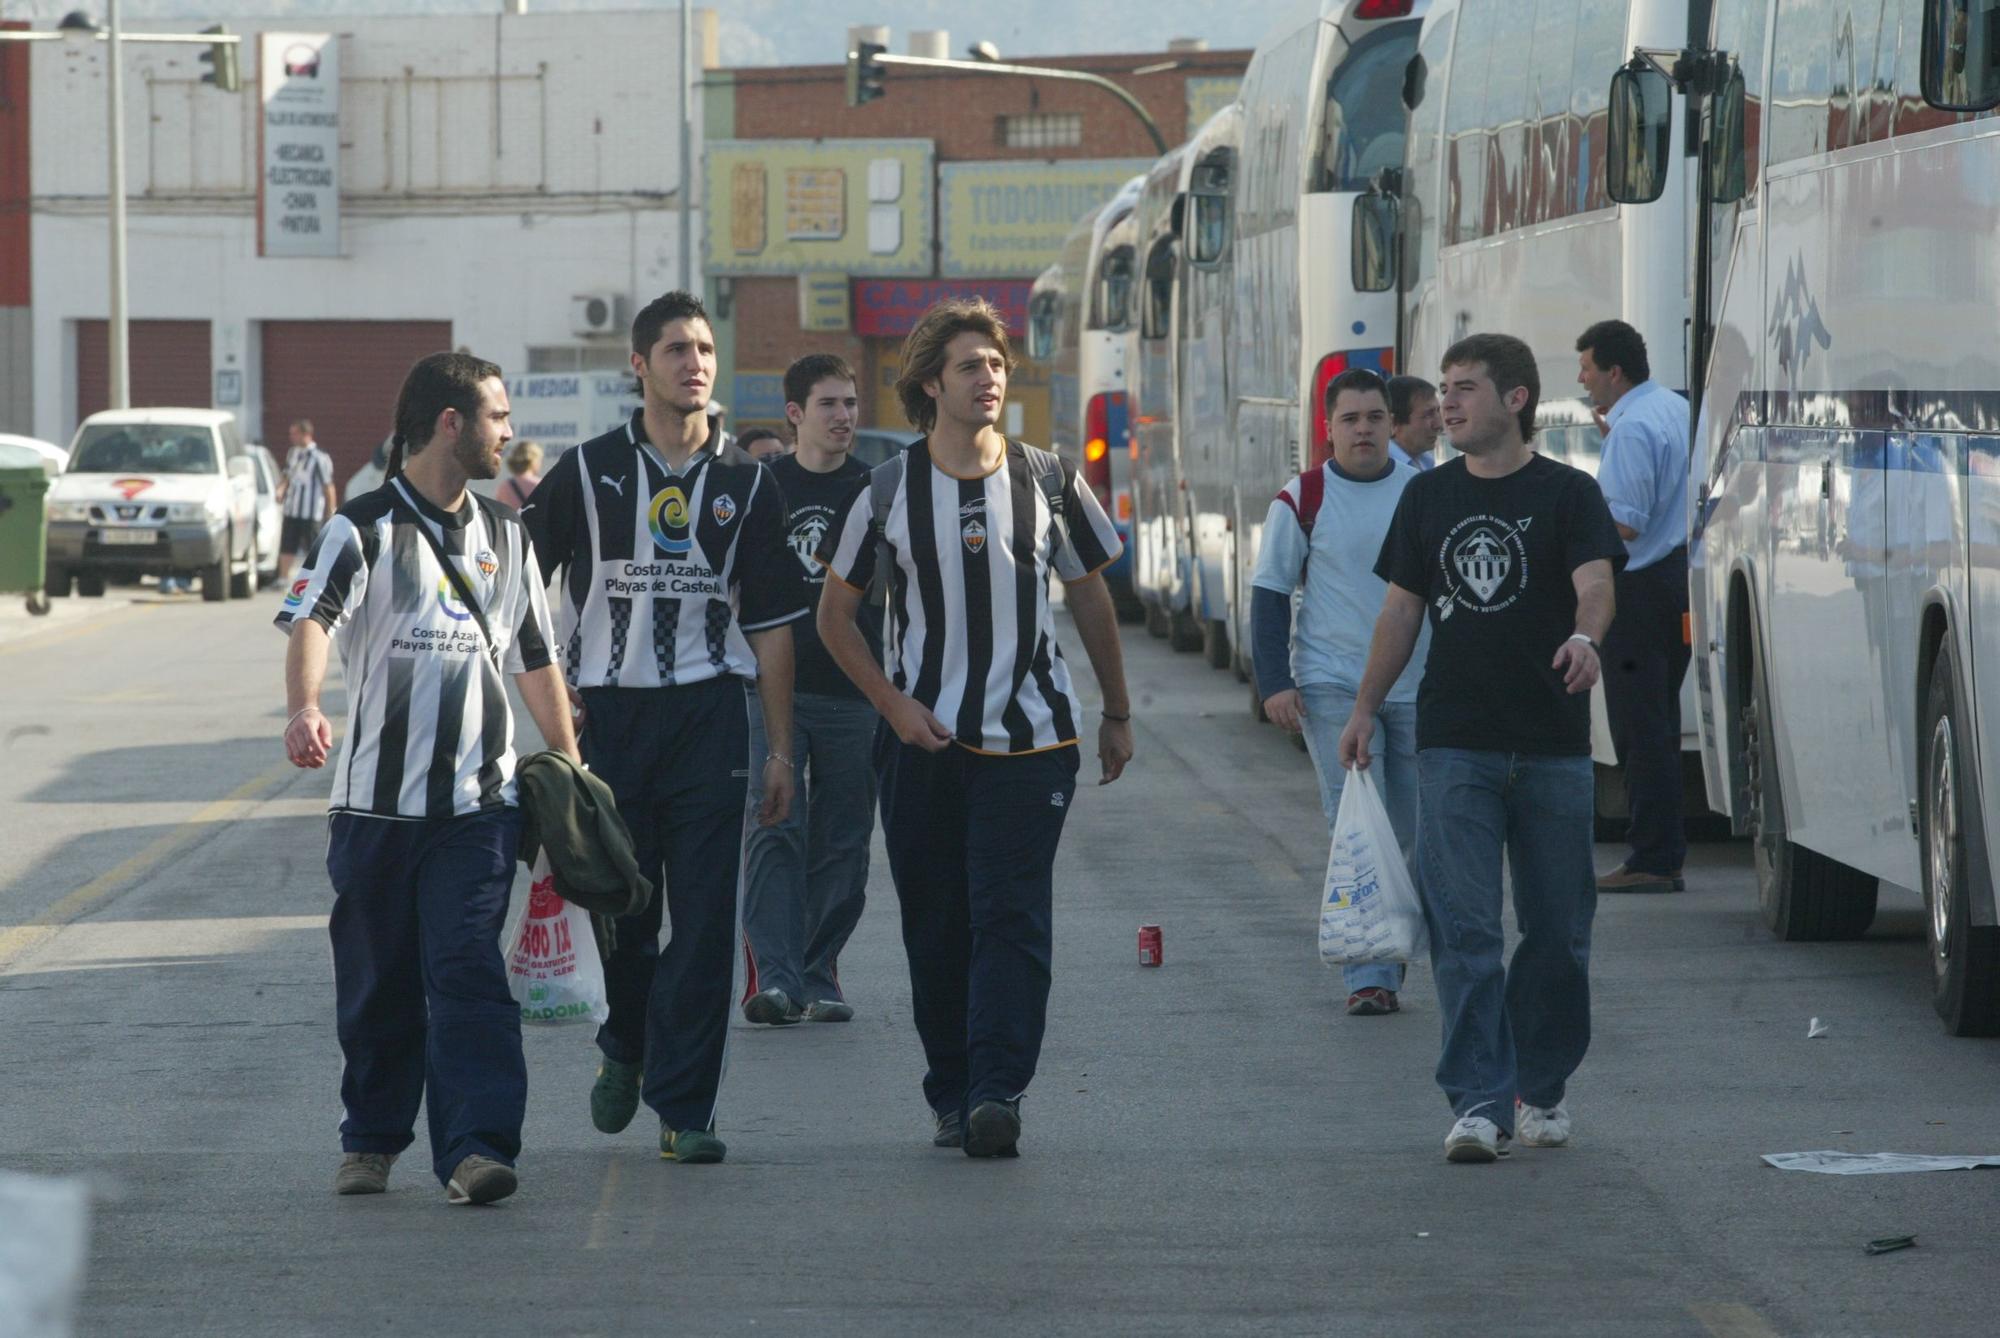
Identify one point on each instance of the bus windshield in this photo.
(1364, 110)
(144, 448)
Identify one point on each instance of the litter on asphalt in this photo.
(1872, 1163)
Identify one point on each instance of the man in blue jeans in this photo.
(1324, 532)
(1510, 555)
(805, 878)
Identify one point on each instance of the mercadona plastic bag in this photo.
(552, 966)
(1369, 911)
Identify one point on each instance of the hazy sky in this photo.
(790, 32)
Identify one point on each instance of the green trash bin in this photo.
(24, 524)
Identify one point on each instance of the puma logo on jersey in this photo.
(616, 485)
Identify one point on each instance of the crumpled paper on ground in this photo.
(1872, 1163)
(44, 1237)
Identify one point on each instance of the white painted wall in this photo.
(449, 211)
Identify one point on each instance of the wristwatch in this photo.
(1584, 637)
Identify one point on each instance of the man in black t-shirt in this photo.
(804, 877)
(1510, 555)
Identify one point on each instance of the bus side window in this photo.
(1043, 312)
(1600, 51)
(1739, 31)
(1548, 100)
(1465, 123)
(1802, 79)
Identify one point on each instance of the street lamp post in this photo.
(687, 148)
(120, 353)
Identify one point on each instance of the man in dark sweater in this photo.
(805, 877)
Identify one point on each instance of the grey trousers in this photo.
(805, 879)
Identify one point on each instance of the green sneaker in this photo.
(690, 1147)
(614, 1097)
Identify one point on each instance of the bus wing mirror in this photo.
(1956, 71)
(1727, 181)
(1641, 131)
(1372, 256)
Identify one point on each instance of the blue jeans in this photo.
(1395, 766)
(1518, 1028)
(806, 879)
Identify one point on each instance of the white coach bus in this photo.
(1845, 475)
(1078, 312)
(1508, 225)
(1321, 120)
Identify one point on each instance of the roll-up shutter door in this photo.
(344, 376)
(169, 361)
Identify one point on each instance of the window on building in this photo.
(579, 358)
(1042, 130)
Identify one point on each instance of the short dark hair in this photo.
(1363, 379)
(755, 434)
(655, 316)
(304, 425)
(438, 382)
(1404, 392)
(924, 349)
(1511, 365)
(1616, 344)
(809, 371)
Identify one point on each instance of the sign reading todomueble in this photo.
(298, 186)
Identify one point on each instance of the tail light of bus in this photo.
(1384, 9)
(1332, 365)
(1103, 423)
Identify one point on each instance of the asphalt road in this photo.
(1211, 1148)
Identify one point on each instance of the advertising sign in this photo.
(890, 307)
(561, 409)
(1208, 95)
(823, 304)
(1009, 219)
(298, 185)
(793, 206)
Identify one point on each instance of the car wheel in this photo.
(1803, 894)
(215, 576)
(243, 584)
(1965, 958)
(90, 585)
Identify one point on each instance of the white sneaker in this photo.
(1475, 1138)
(1541, 1127)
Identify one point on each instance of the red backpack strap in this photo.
(1312, 492)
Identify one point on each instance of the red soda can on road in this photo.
(1152, 950)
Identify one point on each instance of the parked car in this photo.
(155, 492)
(270, 516)
(53, 456)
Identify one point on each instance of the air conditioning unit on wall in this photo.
(592, 314)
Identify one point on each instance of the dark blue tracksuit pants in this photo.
(972, 847)
(420, 987)
(677, 760)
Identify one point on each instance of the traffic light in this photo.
(865, 74)
(223, 71)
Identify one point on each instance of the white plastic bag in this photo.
(552, 966)
(1369, 911)
(44, 1238)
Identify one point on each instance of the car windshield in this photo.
(144, 448)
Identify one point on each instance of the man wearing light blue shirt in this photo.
(1323, 533)
(1643, 476)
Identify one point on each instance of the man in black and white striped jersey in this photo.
(305, 494)
(982, 765)
(425, 827)
(678, 587)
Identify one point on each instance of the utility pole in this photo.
(687, 154)
(868, 65)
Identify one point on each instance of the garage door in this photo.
(344, 376)
(169, 362)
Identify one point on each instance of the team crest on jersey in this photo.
(298, 594)
(1487, 561)
(805, 538)
(448, 600)
(667, 517)
(723, 509)
(973, 532)
(488, 564)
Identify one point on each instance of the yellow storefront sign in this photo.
(790, 206)
(1008, 220)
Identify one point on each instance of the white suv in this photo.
(155, 492)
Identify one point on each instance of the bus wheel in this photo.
(1215, 644)
(1184, 630)
(1803, 895)
(1965, 958)
(1156, 619)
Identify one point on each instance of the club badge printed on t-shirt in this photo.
(1484, 564)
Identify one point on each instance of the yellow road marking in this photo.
(18, 940)
(56, 636)
(601, 1219)
(1731, 1319)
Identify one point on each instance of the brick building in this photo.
(829, 227)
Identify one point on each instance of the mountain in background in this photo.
(780, 32)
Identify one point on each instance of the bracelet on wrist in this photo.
(1125, 719)
(1586, 639)
(296, 714)
(777, 757)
